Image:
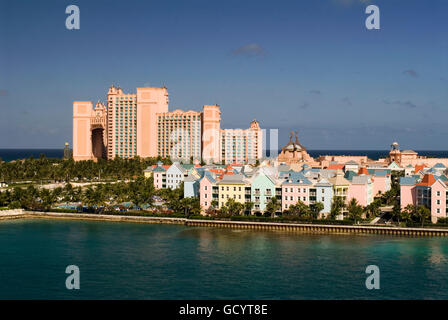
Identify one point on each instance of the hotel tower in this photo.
(140, 124)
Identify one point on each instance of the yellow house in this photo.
(148, 172)
(231, 187)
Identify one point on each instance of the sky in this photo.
(308, 65)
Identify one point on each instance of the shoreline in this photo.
(249, 225)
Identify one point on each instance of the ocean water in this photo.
(145, 261)
(14, 154)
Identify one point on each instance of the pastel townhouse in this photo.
(159, 175)
(233, 186)
(263, 188)
(439, 196)
(381, 182)
(361, 189)
(340, 189)
(294, 189)
(324, 194)
(431, 192)
(407, 191)
(208, 190)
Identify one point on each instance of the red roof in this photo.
(363, 171)
(165, 166)
(427, 181)
(197, 166)
(419, 167)
(336, 167)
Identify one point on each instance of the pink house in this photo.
(381, 182)
(407, 191)
(438, 200)
(361, 190)
(206, 190)
(295, 189)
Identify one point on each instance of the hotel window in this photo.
(438, 210)
(438, 193)
(438, 201)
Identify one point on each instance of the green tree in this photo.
(249, 206)
(423, 214)
(373, 208)
(337, 205)
(299, 209)
(316, 208)
(354, 210)
(273, 206)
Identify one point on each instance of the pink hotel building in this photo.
(140, 124)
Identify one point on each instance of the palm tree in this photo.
(336, 207)
(354, 210)
(273, 206)
(248, 206)
(408, 212)
(299, 209)
(316, 209)
(423, 214)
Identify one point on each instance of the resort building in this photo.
(140, 124)
(179, 135)
(242, 146)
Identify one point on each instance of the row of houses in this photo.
(245, 183)
(427, 186)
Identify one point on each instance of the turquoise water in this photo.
(144, 261)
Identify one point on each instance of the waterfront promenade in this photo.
(248, 225)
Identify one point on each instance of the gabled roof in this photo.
(419, 167)
(394, 165)
(336, 166)
(363, 171)
(361, 180)
(208, 175)
(439, 166)
(159, 169)
(190, 178)
(323, 183)
(297, 180)
(442, 178)
(339, 181)
(427, 181)
(264, 174)
(178, 166)
(232, 179)
(349, 175)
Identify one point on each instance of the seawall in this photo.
(248, 225)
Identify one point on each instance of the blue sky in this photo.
(308, 65)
